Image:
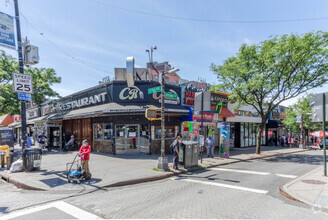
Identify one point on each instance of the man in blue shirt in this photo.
(210, 146)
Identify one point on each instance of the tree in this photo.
(301, 107)
(43, 78)
(273, 71)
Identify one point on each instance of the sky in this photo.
(84, 40)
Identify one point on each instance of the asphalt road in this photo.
(242, 190)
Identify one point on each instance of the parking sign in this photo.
(22, 83)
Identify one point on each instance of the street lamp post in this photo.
(150, 55)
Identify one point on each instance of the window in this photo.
(103, 131)
(98, 131)
(169, 132)
(108, 131)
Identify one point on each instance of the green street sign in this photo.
(155, 89)
(170, 95)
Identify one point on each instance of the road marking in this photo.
(224, 185)
(61, 205)
(241, 171)
(286, 176)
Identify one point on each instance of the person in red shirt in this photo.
(84, 153)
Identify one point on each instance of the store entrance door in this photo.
(127, 139)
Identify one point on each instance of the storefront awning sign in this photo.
(207, 116)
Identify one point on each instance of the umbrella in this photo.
(318, 134)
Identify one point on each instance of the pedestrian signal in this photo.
(153, 114)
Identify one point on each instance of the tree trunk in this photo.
(258, 138)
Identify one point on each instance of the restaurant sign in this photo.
(94, 99)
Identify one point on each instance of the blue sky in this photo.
(102, 37)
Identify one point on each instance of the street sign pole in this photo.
(324, 132)
(21, 70)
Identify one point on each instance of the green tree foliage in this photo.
(301, 107)
(273, 71)
(43, 79)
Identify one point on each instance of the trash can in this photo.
(32, 159)
(191, 151)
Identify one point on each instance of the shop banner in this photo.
(207, 116)
(219, 99)
(7, 31)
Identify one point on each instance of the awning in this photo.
(40, 119)
(16, 124)
(226, 113)
(118, 109)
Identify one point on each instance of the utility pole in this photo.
(21, 71)
(201, 125)
(324, 132)
(162, 118)
(302, 131)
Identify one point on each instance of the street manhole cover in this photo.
(318, 182)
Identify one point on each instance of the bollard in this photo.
(9, 161)
(2, 161)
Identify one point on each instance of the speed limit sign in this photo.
(22, 83)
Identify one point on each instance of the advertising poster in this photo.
(225, 138)
(7, 33)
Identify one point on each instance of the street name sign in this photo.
(298, 118)
(155, 89)
(22, 83)
(170, 95)
(23, 96)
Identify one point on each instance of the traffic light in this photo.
(151, 114)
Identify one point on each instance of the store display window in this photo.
(103, 131)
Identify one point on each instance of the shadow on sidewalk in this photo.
(298, 158)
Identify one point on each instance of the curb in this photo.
(19, 184)
(147, 179)
(287, 194)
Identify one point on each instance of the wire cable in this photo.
(207, 20)
(60, 49)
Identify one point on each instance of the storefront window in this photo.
(98, 131)
(103, 131)
(108, 131)
(169, 132)
(242, 134)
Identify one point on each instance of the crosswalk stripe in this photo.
(61, 205)
(241, 171)
(224, 185)
(286, 176)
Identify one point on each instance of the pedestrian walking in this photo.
(286, 141)
(28, 141)
(290, 141)
(176, 145)
(282, 141)
(312, 139)
(42, 141)
(84, 153)
(210, 146)
(279, 141)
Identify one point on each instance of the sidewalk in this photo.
(118, 170)
(311, 188)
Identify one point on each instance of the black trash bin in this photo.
(32, 159)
